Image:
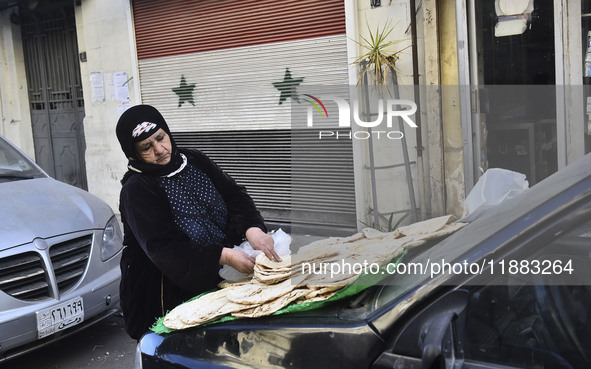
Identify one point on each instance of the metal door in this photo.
(55, 91)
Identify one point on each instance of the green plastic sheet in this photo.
(362, 283)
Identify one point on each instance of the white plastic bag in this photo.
(495, 186)
(282, 241)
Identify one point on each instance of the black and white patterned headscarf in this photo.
(137, 124)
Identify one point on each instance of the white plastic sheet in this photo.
(282, 241)
(495, 186)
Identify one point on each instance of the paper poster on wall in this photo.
(121, 108)
(97, 87)
(120, 81)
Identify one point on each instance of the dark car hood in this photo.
(320, 338)
(44, 207)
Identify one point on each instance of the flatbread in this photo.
(319, 297)
(426, 226)
(258, 294)
(272, 306)
(263, 262)
(323, 290)
(306, 276)
(207, 308)
(228, 284)
(272, 278)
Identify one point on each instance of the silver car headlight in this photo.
(112, 240)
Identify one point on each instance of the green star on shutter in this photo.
(185, 92)
(288, 87)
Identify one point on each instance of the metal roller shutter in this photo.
(212, 68)
(176, 27)
(313, 192)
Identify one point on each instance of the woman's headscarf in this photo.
(138, 123)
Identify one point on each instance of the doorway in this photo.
(55, 90)
(514, 76)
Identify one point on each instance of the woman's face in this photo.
(155, 149)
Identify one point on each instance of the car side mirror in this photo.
(426, 341)
(433, 344)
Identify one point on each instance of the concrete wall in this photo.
(431, 112)
(451, 114)
(15, 119)
(386, 189)
(105, 34)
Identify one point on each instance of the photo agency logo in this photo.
(388, 110)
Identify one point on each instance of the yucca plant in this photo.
(379, 58)
(391, 226)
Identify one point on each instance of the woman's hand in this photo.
(259, 240)
(237, 260)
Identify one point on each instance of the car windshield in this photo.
(409, 276)
(554, 247)
(15, 166)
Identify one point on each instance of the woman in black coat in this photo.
(181, 216)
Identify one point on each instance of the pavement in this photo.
(103, 345)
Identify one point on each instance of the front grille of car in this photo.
(69, 261)
(23, 276)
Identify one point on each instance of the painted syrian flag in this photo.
(226, 76)
(236, 65)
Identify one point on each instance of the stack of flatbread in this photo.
(314, 273)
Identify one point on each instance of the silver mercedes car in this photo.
(59, 256)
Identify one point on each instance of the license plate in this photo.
(60, 317)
